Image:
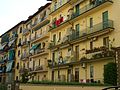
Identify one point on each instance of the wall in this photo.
(41, 87)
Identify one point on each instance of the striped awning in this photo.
(2, 46)
(35, 46)
(11, 42)
(9, 66)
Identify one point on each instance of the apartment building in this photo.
(8, 48)
(65, 40)
(82, 33)
(35, 36)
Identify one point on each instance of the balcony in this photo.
(14, 36)
(40, 36)
(38, 68)
(40, 23)
(32, 38)
(25, 43)
(5, 38)
(60, 43)
(83, 12)
(96, 30)
(25, 56)
(97, 54)
(38, 52)
(51, 45)
(59, 7)
(91, 8)
(26, 31)
(22, 70)
(63, 61)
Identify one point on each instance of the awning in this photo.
(35, 47)
(11, 55)
(9, 66)
(11, 42)
(2, 47)
(0, 71)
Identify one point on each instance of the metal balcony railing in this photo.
(41, 35)
(38, 51)
(103, 26)
(58, 5)
(25, 43)
(24, 56)
(81, 11)
(26, 31)
(14, 36)
(89, 7)
(37, 68)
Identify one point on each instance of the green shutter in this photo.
(105, 19)
(77, 27)
(77, 10)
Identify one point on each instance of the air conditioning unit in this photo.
(83, 65)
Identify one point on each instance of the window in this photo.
(32, 31)
(91, 45)
(33, 65)
(92, 2)
(77, 27)
(69, 52)
(91, 22)
(25, 39)
(76, 74)
(77, 52)
(39, 62)
(60, 2)
(55, 6)
(59, 36)
(105, 16)
(53, 57)
(23, 65)
(16, 78)
(105, 19)
(43, 44)
(91, 71)
(19, 53)
(106, 42)
(54, 38)
(77, 9)
(27, 64)
(17, 65)
(19, 40)
(20, 29)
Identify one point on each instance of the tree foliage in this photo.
(110, 74)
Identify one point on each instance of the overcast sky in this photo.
(14, 11)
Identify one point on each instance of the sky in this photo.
(14, 11)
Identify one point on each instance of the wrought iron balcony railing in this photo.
(88, 8)
(24, 56)
(38, 51)
(26, 31)
(100, 27)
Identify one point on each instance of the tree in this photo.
(110, 73)
(25, 77)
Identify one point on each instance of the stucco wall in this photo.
(41, 87)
